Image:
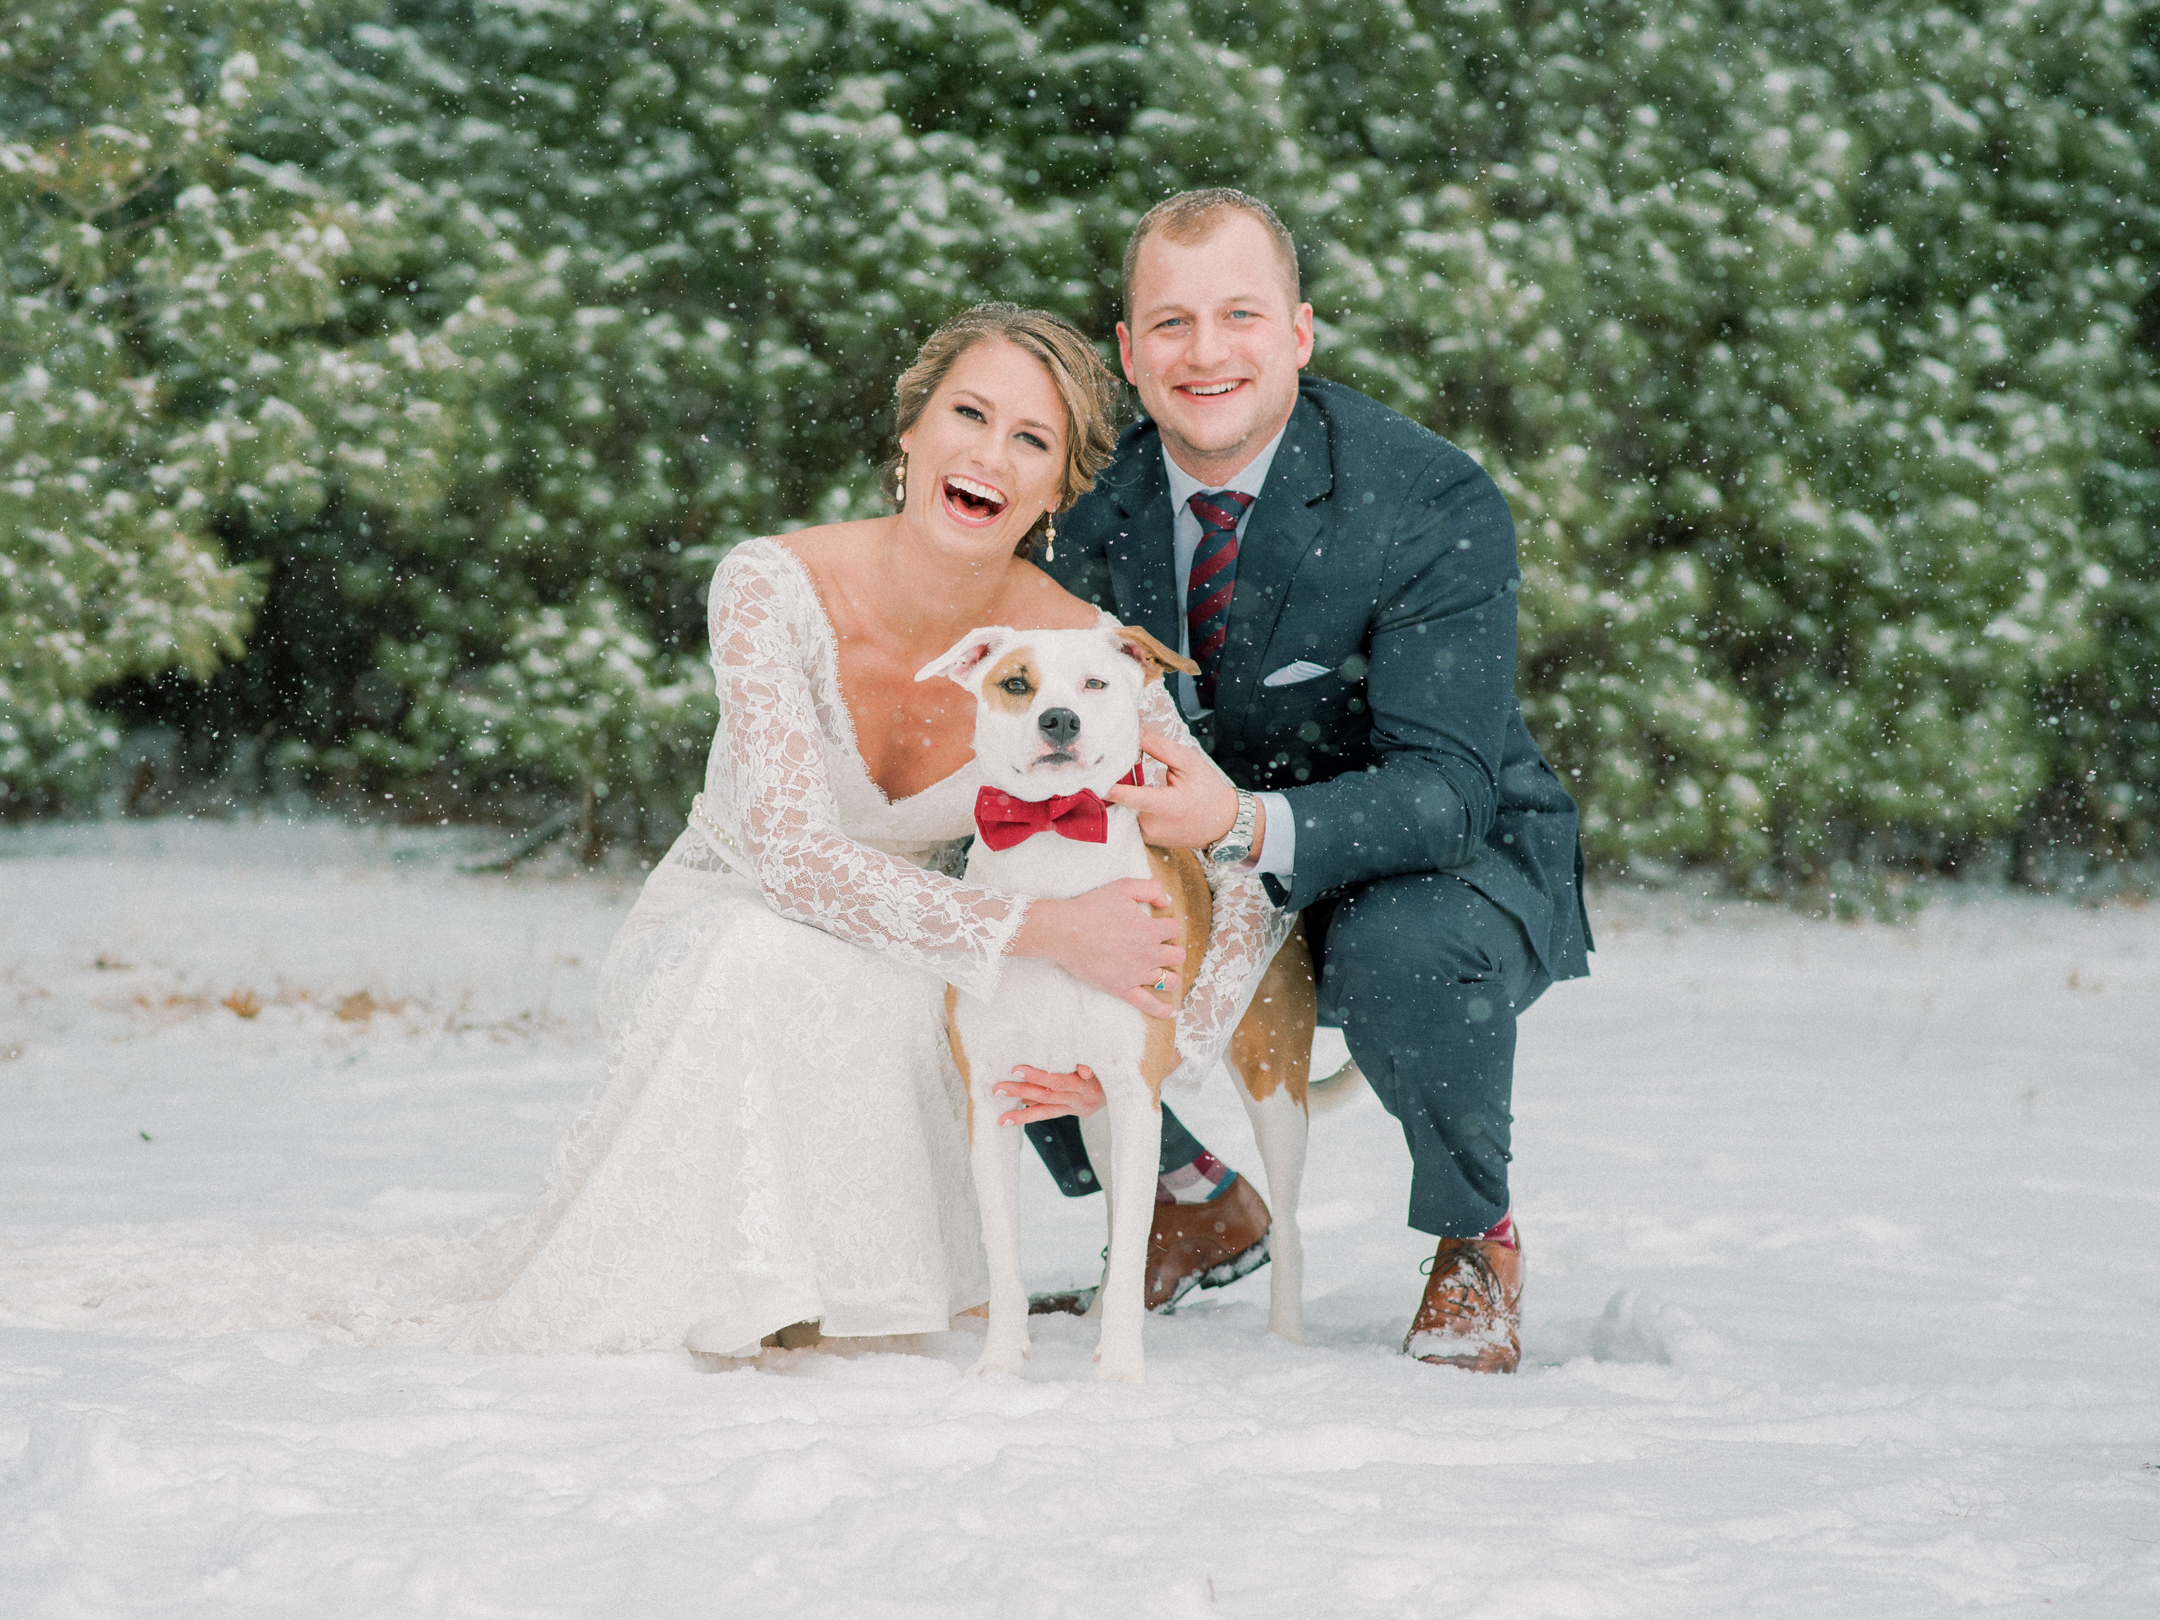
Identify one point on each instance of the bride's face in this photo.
(986, 457)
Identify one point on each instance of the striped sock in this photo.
(1203, 1178)
(1501, 1231)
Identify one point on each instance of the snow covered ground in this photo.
(1844, 1294)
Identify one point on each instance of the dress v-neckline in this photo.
(831, 659)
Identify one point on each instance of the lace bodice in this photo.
(790, 806)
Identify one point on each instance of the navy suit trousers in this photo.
(1425, 977)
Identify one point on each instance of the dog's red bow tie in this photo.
(1002, 821)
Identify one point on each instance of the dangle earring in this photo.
(899, 483)
(1049, 536)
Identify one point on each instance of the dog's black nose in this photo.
(1061, 726)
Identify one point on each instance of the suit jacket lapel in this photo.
(1143, 576)
(1283, 528)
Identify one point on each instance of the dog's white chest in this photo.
(1049, 867)
(1046, 1018)
(1043, 1016)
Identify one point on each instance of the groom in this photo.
(1346, 582)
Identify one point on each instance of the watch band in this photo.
(1236, 844)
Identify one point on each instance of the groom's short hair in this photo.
(1191, 216)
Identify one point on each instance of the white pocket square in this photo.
(1291, 674)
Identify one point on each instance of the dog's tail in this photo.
(1325, 1096)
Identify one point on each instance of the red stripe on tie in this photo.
(1208, 606)
(1210, 580)
(1215, 516)
(1205, 570)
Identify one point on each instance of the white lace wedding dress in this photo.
(782, 1135)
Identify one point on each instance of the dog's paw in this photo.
(1120, 1367)
(1003, 1359)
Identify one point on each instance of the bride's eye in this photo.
(970, 412)
(1037, 443)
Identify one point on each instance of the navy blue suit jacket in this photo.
(1383, 553)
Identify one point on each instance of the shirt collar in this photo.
(1183, 486)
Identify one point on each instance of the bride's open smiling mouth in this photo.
(972, 502)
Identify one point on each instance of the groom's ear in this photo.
(1154, 657)
(963, 663)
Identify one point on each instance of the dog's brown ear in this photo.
(1154, 657)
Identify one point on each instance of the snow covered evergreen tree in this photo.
(1814, 343)
(1807, 340)
(172, 372)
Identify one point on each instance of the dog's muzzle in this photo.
(1058, 726)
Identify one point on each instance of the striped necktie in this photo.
(1214, 571)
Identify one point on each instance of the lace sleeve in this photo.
(769, 768)
(1249, 928)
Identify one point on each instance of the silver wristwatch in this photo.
(1236, 844)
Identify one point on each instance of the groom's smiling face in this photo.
(1215, 343)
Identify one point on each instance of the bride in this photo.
(782, 1138)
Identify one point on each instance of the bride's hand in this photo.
(1044, 1095)
(1109, 938)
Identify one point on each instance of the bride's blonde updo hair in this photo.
(1082, 381)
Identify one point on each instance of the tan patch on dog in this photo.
(993, 685)
(1272, 1045)
(1159, 1056)
(1177, 870)
(959, 1056)
(1158, 658)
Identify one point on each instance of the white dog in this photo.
(1057, 724)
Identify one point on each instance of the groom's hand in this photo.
(1193, 808)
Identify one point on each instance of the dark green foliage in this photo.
(1815, 346)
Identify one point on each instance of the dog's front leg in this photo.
(1095, 1136)
(994, 1154)
(1135, 1149)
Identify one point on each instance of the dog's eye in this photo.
(1017, 685)
(1093, 685)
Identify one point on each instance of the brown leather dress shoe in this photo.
(1189, 1246)
(1065, 1301)
(1205, 1245)
(1471, 1315)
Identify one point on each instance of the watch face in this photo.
(1237, 843)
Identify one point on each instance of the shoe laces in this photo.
(1482, 1285)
